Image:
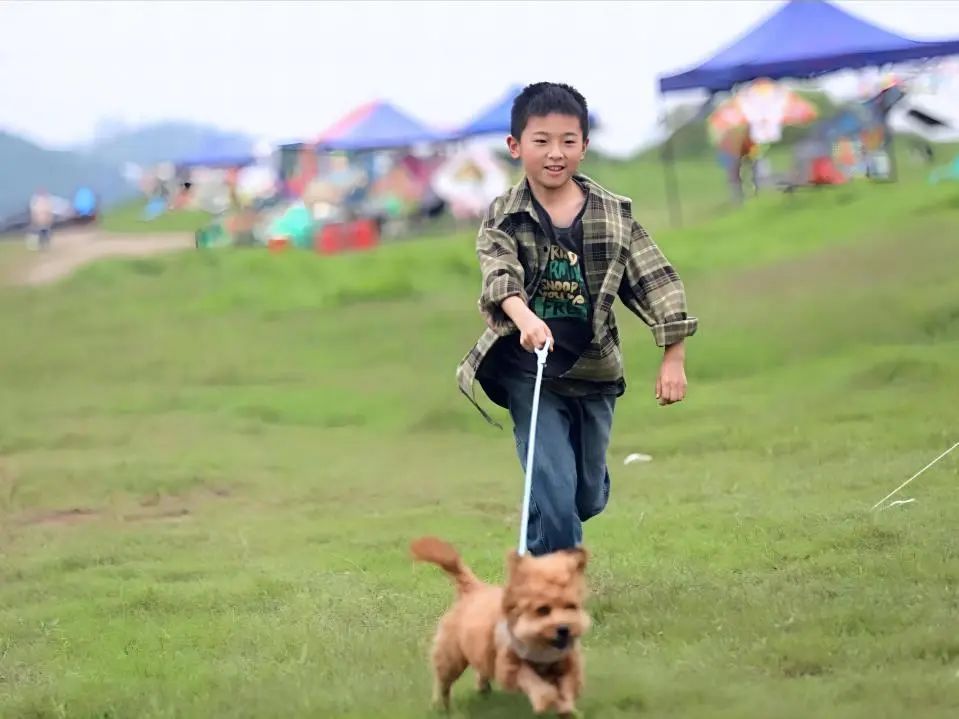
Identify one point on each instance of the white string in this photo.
(915, 475)
(541, 354)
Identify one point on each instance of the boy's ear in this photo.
(585, 147)
(512, 144)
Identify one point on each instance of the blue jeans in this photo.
(570, 477)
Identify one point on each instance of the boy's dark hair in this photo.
(544, 98)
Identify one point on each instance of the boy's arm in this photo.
(652, 289)
(503, 275)
(503, 301)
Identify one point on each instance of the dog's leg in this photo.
(513, 674)
(570, 686)
(448, 665)
(482, 684)
(542, 695)
(443, 683)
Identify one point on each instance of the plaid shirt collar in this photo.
(520, 197)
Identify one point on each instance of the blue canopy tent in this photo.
(219, 152)
(495, 119)
(377, 125)
(803, 39)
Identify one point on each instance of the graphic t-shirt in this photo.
(561, 299)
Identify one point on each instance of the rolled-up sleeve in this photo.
(503, 275)
(652, 289)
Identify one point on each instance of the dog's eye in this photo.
(543, 610)
(572, 607)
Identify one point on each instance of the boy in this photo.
(555, 251)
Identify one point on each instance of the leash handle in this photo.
(541, 354)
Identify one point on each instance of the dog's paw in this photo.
(544, 698)
(566, 706)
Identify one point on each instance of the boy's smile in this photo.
(550, 148)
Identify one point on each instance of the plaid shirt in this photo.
(619, 259)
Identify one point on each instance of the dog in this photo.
(524, 636)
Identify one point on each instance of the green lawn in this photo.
(128, 219)
(211, 465)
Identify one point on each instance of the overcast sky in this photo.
(288, 69)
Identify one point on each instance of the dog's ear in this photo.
(514, 561)
(514, 564)
(578, 556)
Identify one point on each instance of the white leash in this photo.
(541, 354)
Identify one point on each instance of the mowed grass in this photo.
(211, 465)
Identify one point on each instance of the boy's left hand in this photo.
(671, 383)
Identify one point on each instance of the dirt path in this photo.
(71, 249)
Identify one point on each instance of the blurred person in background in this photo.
(41, 218)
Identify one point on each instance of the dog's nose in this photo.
(562, 632)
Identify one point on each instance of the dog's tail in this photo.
(442, 554)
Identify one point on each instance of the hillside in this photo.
(211, 465)
(24, 167)
(159, 142)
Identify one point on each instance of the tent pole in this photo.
(890, 151)
(888, 137)
(668, 159)
(672, 186)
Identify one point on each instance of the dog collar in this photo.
(534, 655)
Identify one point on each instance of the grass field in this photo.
(211, 465)
(128, 219)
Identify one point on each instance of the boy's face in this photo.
(551, 148)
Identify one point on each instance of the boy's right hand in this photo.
(534, 333)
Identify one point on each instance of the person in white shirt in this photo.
(41, 217)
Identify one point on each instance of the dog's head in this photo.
(544, 596)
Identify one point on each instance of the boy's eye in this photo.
(539, 141)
